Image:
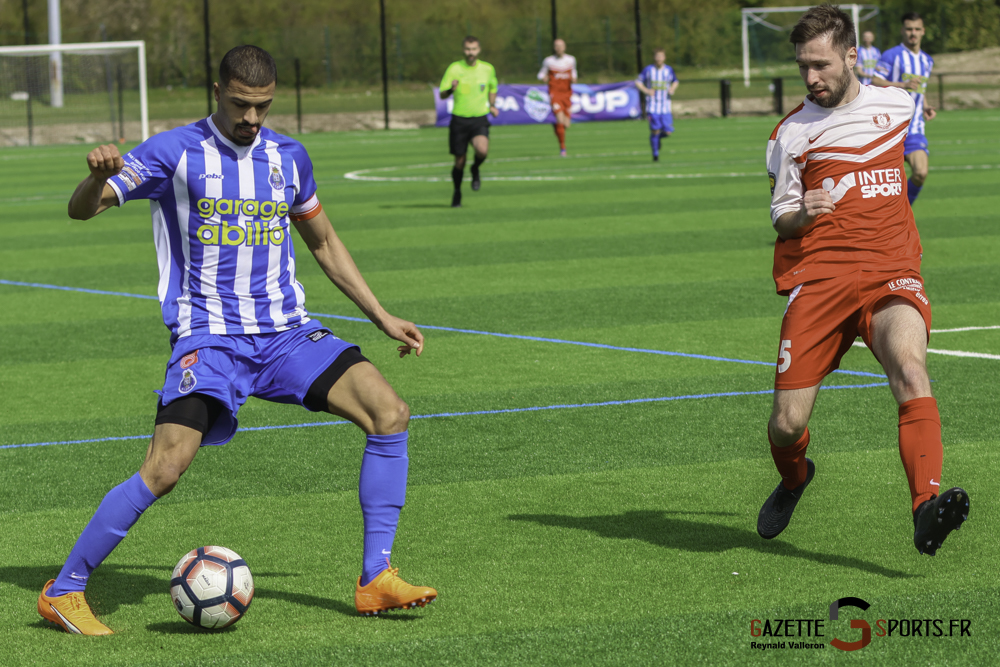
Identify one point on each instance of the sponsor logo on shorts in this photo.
(276, 180)
(909, 284)
(771, 178)
(882, 121)
(317, 336)
(189, 360)
(188, 382)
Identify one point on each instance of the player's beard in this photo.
(836, 91)
(241, 140)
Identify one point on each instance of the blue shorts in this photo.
(278, 367)
(661, 122)
(915, 142)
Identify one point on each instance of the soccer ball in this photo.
(211, 587)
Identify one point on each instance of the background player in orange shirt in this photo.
(559, 71)
(848, 257)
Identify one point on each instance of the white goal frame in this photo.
(95, 49)
(757, 14)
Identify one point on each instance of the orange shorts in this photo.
(824, 317)
(561, 102)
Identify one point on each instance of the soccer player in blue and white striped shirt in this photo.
(868, 57)
(224, 194)
(658, 83)
(906, 66)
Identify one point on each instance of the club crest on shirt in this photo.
(189, 360)
(188, 381)
(276, 180)
(881, 121)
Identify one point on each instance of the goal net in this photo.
(765, 31)
(73, 93)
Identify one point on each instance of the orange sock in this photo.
(561, 133)
(920, 448)
(791, 460)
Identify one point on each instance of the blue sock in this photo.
(654, 141)
(382, 491)
(118, 512)
(912, 191)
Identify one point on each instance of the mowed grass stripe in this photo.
(586, 477)
(603, 538)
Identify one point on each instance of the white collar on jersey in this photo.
(241, 151)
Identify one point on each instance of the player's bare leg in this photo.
(364, 397)
(899, 341)
(919, 166)
(62, 599)
(480, 147)
(562, 123)
(169, 455)
(788, 433)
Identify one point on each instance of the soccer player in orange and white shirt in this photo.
(559, 71)
(848, 258)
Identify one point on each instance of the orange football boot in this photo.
(387, 591)
(71, 612)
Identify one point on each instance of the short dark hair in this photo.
(911, 16)
(250, 65)
(663, 51)
(469, 39)
(826, 20)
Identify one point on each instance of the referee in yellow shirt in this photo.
(474, 85)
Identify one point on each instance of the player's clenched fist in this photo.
(105, 161)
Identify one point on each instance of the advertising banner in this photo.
(527, 105)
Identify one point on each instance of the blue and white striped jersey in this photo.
(868, 57)
(221, 222)
(657, 79)
(898, 64)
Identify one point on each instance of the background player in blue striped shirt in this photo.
(224, 193)
(868, 57)
(906, 66)
(658, 83)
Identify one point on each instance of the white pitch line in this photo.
(948, 353)
(959, 353)
(939, 331)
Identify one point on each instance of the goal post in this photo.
(96, 73)
(757, 16)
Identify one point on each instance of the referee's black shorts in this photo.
(463, 129)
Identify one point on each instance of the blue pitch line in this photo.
(473, 413)
(78, 289)
(539, 339)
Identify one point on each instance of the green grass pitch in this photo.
(619, 533)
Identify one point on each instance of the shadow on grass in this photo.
(415, 206)
(111, 586)
(656, 527)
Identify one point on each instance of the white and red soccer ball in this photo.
(211, 587)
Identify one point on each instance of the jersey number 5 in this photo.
(784, 356)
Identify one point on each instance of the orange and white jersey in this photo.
(559, 72)
(854, 152)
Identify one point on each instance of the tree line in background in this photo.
(339, 43)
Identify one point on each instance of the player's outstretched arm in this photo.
(795, 224)
(94, 195)
(339, 266)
